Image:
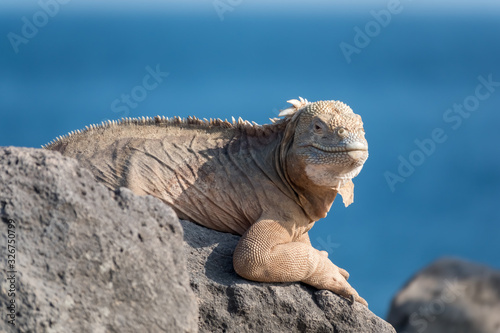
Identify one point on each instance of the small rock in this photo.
(450, 295)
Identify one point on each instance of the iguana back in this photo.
(215, 173)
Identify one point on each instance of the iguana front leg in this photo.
(267, 252)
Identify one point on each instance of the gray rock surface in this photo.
(450, 295)
(229, 303)
(88, 260)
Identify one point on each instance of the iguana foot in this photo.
(331, 277)
(266, 253)
(345, 290)
(344, 273)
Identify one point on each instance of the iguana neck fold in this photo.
(315, 201)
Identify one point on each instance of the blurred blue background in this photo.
(76, 64)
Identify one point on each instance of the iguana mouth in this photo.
(338, 149)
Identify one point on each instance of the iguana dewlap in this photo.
(268, 183)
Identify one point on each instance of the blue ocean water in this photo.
(407, 82)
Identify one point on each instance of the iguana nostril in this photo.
(342, 132)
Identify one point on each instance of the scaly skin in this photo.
(268, 183)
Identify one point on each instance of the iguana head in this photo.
(328, 146)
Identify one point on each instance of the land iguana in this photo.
(268, 183)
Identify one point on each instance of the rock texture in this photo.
(88, 260)
(450, 295)
(229, 303)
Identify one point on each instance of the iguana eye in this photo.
(318, 126)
